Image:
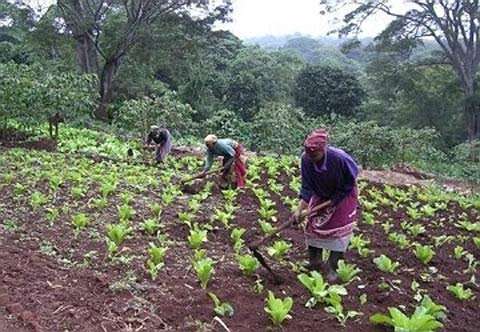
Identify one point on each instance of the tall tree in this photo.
(105, 30)
(453, 24)
(322, 90)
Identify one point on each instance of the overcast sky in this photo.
(280, 17)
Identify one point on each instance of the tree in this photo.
(453, 24)
(325, 90)
(105, 30)
(257, 77)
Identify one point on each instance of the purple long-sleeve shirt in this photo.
(334, 178)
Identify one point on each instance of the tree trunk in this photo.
(87, 58)
(106, 88)
(471, 110)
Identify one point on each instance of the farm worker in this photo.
(162, 139)
(328, 176)
(233, 155)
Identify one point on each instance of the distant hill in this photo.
(328, 49)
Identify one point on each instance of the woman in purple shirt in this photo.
(328, 177)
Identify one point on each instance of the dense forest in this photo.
(171, 66)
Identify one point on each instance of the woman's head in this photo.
(316, 144)
(210, 140)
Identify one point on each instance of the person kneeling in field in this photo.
(233, 155)
(162, 139)
(328, 176)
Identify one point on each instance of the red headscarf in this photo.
(316, 140)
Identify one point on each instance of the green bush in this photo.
(139, 114)
(29, 95)
(278, 128)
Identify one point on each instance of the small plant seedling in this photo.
(266, 227)
(248, 264)
(460, 292)
(424, 253)
(197, 237)
(420, 321)
(335, 308)
(346, 272)
(79, 222)
(385, 264)
(116, 234)
(236, 234)
(459, 252)
(205, 269)
(476, 240)
(221, 308)
(156, 260)
(416, 230)
(319, 288)
(156, 209)
(279, 249)
(150, 226)
(100, 202)
(125, 213)
(278, 309)
(38, 199)
(258, 286)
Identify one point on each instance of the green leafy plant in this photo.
(126, 198)
(116, 234)
(416, 230)
(197, 237)
(266, 227)
(442, 239)
(476, 240)
(387, 226)
(279, 249)
(224, 217)
(156, 209)
(204, 269)
(346, 272)
(459, 252)
(156, 260)
(469, 226)
(125, 213)
(78, 192)
(80, 221)
(319, 288)
(385, 264)
(278, 309)
(38, 199)
(236, 234)
(108, 187)
(100, 202)
(186, 218)
(424, 253)
(399, 239)
(433, 309)
(150, 226)
(194, 205)
(229, 195)
(335, 308)
(248, 264)
(357, 242)
(221, 308)
(460, 292)
(413, 213)
(420, 321)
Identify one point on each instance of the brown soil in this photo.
(14, 139)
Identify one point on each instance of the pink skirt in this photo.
(332, 227)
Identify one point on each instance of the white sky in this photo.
(281, 17)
